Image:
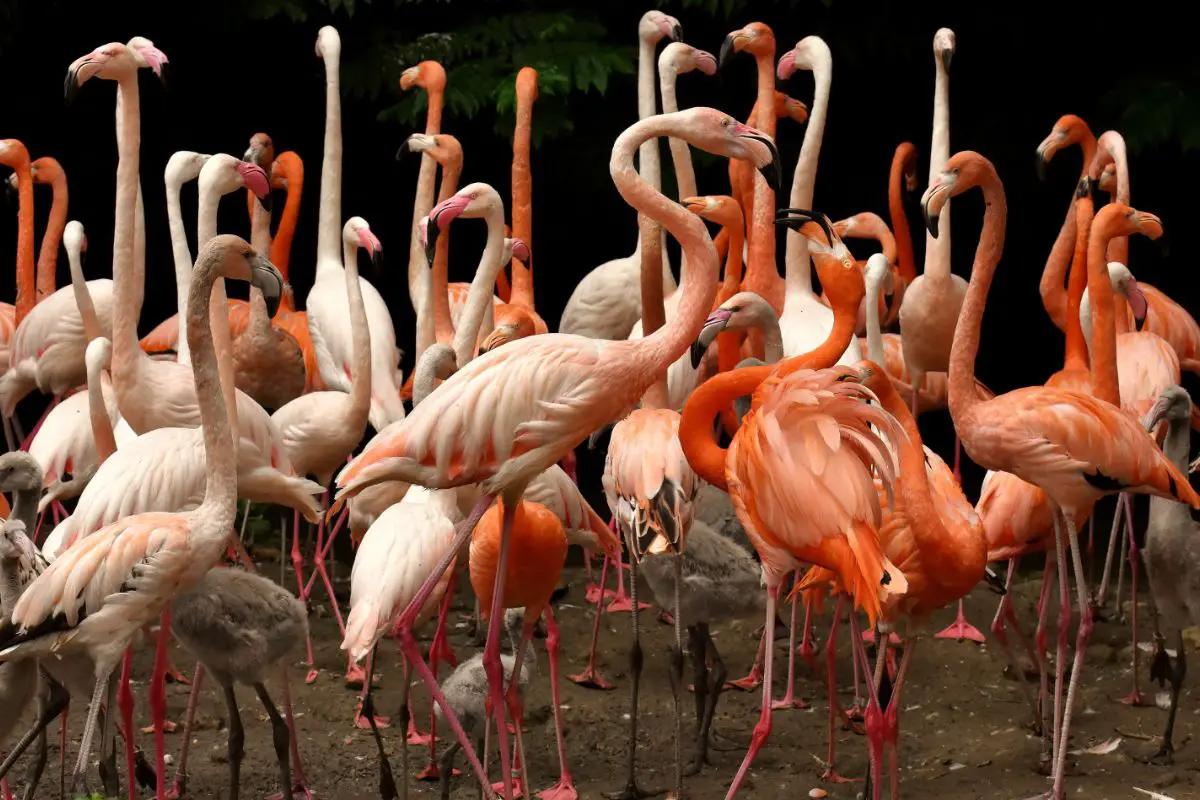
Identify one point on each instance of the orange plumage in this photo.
(536, 553)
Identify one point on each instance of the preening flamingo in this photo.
(328, 301)
(572, 385)
(119, 579)
(602, 305)
(1075, 447)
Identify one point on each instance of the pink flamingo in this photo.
(572, 385)
(1075, 447)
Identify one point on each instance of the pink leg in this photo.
(1081, 640)
(856, 712)
(831, 773)
(298, 568)
(621, 604)
(412, 733)
(412, 651)
(491, 651)
(873, 719)
(299, 781)
(763, 729)
(1004, 613)
(180, 780)
(891, 716)
(125, 703)
(1101, 597)
(590, 676)
(807, 651)
(352, 677)
(1064, 624)
(754, 679)
(961, 629)
(4, 790)
(439, 649)
(360, 721)
(789, 699)
(158, 701)
(1135, 697)
(565, 788)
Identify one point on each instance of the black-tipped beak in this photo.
(403, 149)
(266, 277)
(931, 222)
(266, 201)
(1040, 166)
(947, 57)
(773, 172)
(11, 194)
(1138, 323)
(431, 236)
(726, 51)
(377, 260)
(677, 33)
(994, 581)
(162, 73)
(70, 86)
(795, 218)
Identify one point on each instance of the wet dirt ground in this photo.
(964, 731)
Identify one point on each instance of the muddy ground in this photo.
(963, 726)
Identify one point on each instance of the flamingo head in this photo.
(516, 248)
(357, 233)
(428, 75)
(1069, 130)
(655, 26)
(757, 38)
(242, 262)
(261, 151)
(1108, 179)
(721, 134)
(962, 171)
(1173, 404)
(19, 471)
(149, 56)
(255, 179)
(718, 208)
(840, 276)
(109, 62)
(442, 148)
(75, 239)
(471, 201)
(184, 166)
(944, 46)
(809, 53)
(329, 43)
(1126, 285)
(790, 107)
(742, 311)
(879, 272)
(512, 323)
(681, 58)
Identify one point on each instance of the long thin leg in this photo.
(158, 700)
(109, 777)
(565, 788)
(1102, 593)
(47, 712)
(1166, 751)
(1064, 623)
(754, 679)
(700, 695)
(1003, 613)
(387, 786)
(79, 778)
(237, 740)
(789, 698)
(516, 710)
(831, 773)
(677, 676)
(491, 652)
(279, 737)
(892, 714)
(591, 677)
(1081, 640)
(38, 763)
(126, 702)
(1040, 640)
(299, 782)
(1135, 697)
(360, 721)
(763, 729)
(807, 651)
(1119, 606)
(412, 651)
(405, 711)
(180, 780)
(448, 768)
(298, 569)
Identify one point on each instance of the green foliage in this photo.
(728, 9)
(1155, 110)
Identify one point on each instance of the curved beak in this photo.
(947, 56)
(252, 154)
(772, 172)
(1157, 413)
(787, 65)
(727, 48)
(931, 215)
(77, 73)
(1137, 302)
(677, 32)
(10, 190)
(1039, 165)
(795, 218)
(994, 581)
(429, 237)
(370, 242)
(716, 322)
(500, 336)
(267, 278)
(694, 205)
(520, 251)
(408, 78)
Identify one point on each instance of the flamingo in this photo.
(573, 385)
(47, 171)
(430, 76)
(119, 579)
(601, 305)
(327, 301)
(320, 429)
(1075, 447)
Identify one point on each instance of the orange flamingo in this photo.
(47, 170)
(1077, 448)
(14, 155)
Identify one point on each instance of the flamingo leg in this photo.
(491, 652)
(439, 649)
(754, 679)
(125, 702)
(622, 601)
(387, 785)
(360, 720)
(412, 652)
(762, 730)
(298, 568)
(279, 737)
(892, 714)
(856, 711)
(237, 741)
(1064, 623)
(1003, 614)
(28, 440)
(319, 555)
(299, 782)
(590, 676)
(512, 701)
(180, 779)
(831, 773)
(55, 705)
(1101, 597)
(873, 716)
(676, 666)
(158, 701)
(79, 776)
(565, 788)
(807, 651)
(961, 629)
(1135, 697)
(700, 688)
(789, 698)
(1165, 753)
(1085, 630)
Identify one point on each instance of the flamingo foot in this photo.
(868, 637)
(433, 772)
(168, 727)
(789, 701)
(355, 675)
(961, 629)
(592, 594)
(748, 683)
(592, 679)
(176, 790)
(666, 617)
(175, 676)
(364, 724)
(311, 677)
(831, 775)
(622, 605)
(518, 789)
(299, 792)
(416, 737)
(563, 790)
(1135, 699)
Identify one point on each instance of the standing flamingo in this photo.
(572, 385)
(119, 579)
(430, 76)
(1073, 446)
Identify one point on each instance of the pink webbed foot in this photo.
(961, 629)
(591, 679)
(176, 790)
(789, 701)
(666, 617)
(1135, 699)
(311, 677)
(868, 637)
(564, 790)
(175, 676)
(168, 727)
(518, 789)
(416, 737)
(433, 772)
(831, 775)
(592, 594)
(355, 675)
(622, 605)
(364, 724)
(748, 683)
(299, 792)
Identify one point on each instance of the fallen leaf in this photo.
(957, 766)
(1153, 795)
(1102, 749)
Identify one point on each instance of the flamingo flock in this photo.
(757, 463)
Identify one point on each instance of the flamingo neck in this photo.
(826, 354)
(761, 251)
(904, 244)
(47, 263)
(218, 328)
(706, 457)
(479, 296)
(874, 334)
(26, 288)
(329, 216)
(102, 431)
(798, 265)
(1103, 315)
(937, 251)
(183, 266)
(729, 342)
(1118, 247)
(281, 245)
(962, 388)
(360, 342)
(83, 297)
(439, 274)
(1075, 355)
(681, 154)
(423, 202)
(521, 293)
(127, 355)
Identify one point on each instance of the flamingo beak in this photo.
(947, 56)
(994, 582)
(1137, 303)
(1157, 413)
(773, 171)
(520, 251)
(716, 322)
(267, 278)
(370, 242)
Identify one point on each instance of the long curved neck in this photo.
(329, 216)
(281, 245)
(26, 287)
(761, 251)
(442, 324)
(963, 394)
(1104, 333)
(182, 255)
(799, 268)
(649, 163)
(1118, 247)
(47, 264)
(937, 251)
(1075, 354)
(424, 380)
(102, 431)
(218, 328)
(874, 332)
(654, 312)
(127, 287)
(904, 244)
(360, 341)
(658, 350)
(260, 239)
(83, 298)
(522, 189)
(829, 351)
(773, 337)
(220, 487)
(681, 154)
(24, 508)
(703, 405)
(423, 202)
(480, 295)
(729, 342)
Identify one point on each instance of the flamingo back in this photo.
(536, 552)
(1171, 321)
(1146, 366)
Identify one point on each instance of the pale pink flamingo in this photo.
(572, 385)
(602, 305)
(327, 301)
(320, 429)
(1075, 447)
(122, 577)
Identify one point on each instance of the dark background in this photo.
(1018, 67)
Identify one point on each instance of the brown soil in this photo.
(963, 726)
